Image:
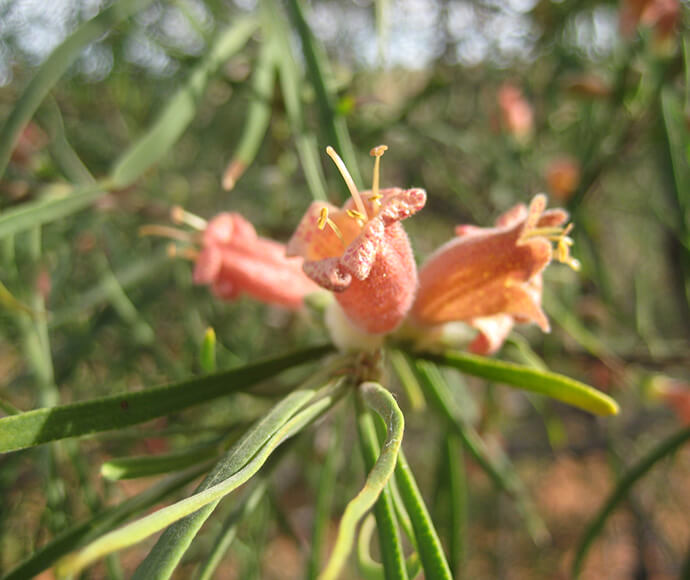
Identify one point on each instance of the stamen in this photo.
(376, 199)
(179, 216)
(563, 243)
(348, 181)
(378, 153)
(324, 221)
(174, 251)
(166, 232)
(354, 214)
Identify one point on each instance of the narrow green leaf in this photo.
(543, 382)
(76, 535)
(148, 465)
(171, 546)
(428, 543)
(369, 569)
(135, 532)
(620, 492)
(54, 67)
(390, 546)
(258, 117)
(381, 401)
(116, 411)
(9, 302)
(181, 108)
(49, 208)
(457, 488)
(229, 531)
(317, 66)
(324, 499)
(207, 356)
(498, 468)
(678, 138)
(292, 89)
(407, 379)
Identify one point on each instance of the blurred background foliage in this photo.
(607, 90)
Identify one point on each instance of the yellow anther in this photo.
(324, 221)
(378, 153)
(354, 214)
(563, 243)
(376, 199)
(348, 181)
(323, 218)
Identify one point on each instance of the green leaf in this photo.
(229, 531)
(148, 465)
(381, 401)
(76, 535)
(498, 468)
(324, 499)
(145, 527)
(370, 569)
(181, 108)
(620, 492)
(390, 546)
(54, 67)
(117, 411)
(171, 546)
(428, 543)
(258, 117)
(543, 382)
(50, 208)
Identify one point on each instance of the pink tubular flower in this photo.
(516, 113)
(234, 260)
(491, 277)
(361, 252)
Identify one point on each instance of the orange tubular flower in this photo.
(234, 260)
(516, 112)
(491, 277)
(361, 252)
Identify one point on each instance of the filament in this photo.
(359, 204)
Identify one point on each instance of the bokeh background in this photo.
(483, 103)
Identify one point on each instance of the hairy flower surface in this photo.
(361, 252)
(491, 277)
(234, 260)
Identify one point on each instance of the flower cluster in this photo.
(489, 278)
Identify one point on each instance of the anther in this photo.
(378, 153)
(348, 181)
(324, 221)
(179, 216)
(354, 214)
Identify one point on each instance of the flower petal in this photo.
(328, 274)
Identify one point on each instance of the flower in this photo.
(361, 252)
(563, 177)
(491, 277)
(661, 15)
(516, 112)
(234, 261)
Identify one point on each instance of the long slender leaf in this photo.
(75, 536)
(324, 499)
(428, 542)
(116, 411)
(50, 208)
(170, 547)
(145, 527)
(229, 531)
(390, 546)
(457, 489)
(381, 401)
(499, 468)
(54, 67)
(258, 116)
(368, 567)
(181, 108)
(620, 492)
(148, 465)
(543, 382)
(317, 66)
